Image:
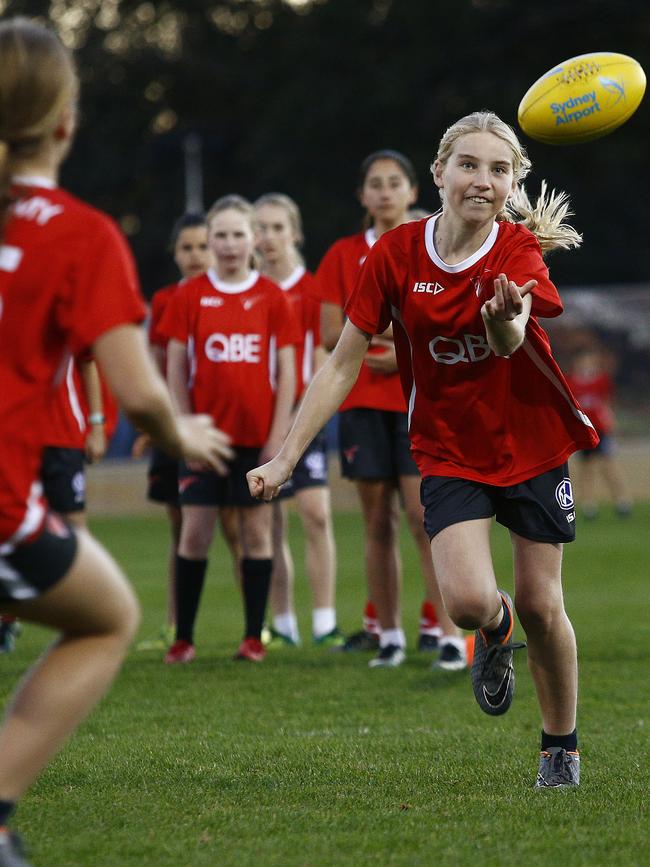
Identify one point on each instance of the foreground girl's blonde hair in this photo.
(545, 218)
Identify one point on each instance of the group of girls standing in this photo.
(242, 341)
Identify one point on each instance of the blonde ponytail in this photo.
(545, 218)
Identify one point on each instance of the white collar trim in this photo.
(232, 288)
(296, 275)
(371, 236)
(429, 242)
(34, 181)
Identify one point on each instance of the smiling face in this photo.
(231, 241)
(387, 193)
(191, 252)
(276, 236)
(477, 177)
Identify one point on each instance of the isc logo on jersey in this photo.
(234, 347)
(452, 350)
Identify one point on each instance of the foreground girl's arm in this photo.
(323, 397)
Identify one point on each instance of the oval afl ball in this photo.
(582, 99)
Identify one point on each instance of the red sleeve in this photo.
(526, 263)
(329, 279)
(104, 291)
(368, 307)
(174, 323)
(287, 328)
(159, 301)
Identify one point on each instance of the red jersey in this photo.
(335, 280)
(159, 302)
(594, 393)
(69, 410)
(232, 332)
(472, 414)
(298, 289)
(66, 278)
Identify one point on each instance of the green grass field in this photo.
(313, 759)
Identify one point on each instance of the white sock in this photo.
(456, 640)
(323, 621)
(392, 636)
(286, 624)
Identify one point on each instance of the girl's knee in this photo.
(471, 610)
(538, 611)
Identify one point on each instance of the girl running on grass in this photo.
(492, 420)
(279, 232)
(231, 355)
(373, 435)
(67, 285)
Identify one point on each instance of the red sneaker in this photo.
(251, 649)
(180, 651)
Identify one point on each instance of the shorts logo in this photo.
(350, 454)
(78, 485)
(316, 465)
(184, 483)
(564, 494)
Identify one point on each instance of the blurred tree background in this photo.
(290, 95)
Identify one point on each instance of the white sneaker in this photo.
(388, 657)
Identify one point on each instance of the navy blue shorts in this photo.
(374, 445)
(209, 489)
(163, 478)
(311, 469)
(540, 509)
(35, 567)
(64, 479)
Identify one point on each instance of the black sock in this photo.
(567, 742)
(256, 580)
(503, 628)
(6, 809)
(190, 576)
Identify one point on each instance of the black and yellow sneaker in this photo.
(12, 852)
(493, 676)
(558, 768)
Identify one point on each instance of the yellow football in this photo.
(583, 98)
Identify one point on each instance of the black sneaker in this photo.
(493, 676)
(558, 768)
(361, 640)
(452, 658)
(12, 852)
(390, 656)
(428, 643)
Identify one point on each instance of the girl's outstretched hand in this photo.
(508, 300)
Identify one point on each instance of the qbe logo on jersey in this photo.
(564, 494)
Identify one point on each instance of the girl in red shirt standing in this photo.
(491, 418)
(279, 232)
(373, 432)
(67, 286)
(231, 355)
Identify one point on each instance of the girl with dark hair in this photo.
(373, 435)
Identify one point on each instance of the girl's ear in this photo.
(437, 174)
(67, 125)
